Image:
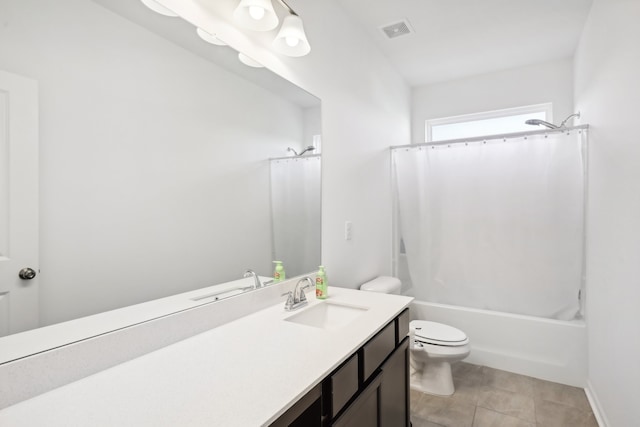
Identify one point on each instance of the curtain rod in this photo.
(296, 157)
(490, 137)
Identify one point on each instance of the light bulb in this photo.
(256, 12)
(292, 41)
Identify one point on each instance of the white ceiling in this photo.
(459, 38)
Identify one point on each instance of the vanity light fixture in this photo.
(158, 8)
(256, 15)
(259, 15)
(291, 39)
(209, 38)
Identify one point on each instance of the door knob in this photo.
(27, 273)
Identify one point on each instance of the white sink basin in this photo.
(327, 315)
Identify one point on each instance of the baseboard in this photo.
(595, 405)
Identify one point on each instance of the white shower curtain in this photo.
(496, 225)
(295, 213)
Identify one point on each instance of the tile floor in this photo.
(487, 397)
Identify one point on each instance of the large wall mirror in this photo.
(155, 147)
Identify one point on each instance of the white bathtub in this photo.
(552, 350)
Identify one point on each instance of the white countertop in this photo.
(244, 373)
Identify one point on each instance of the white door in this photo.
(18, 203)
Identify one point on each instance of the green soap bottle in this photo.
(321, 283)
(278, 273)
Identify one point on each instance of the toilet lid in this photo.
(437, 333)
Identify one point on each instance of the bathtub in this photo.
(552, 350)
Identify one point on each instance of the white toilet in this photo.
(433, 346)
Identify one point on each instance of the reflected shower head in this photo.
(538, 122)
(309, 148)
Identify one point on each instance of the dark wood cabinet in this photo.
(394, 391)
(342, 385)
(370, 389)
(365, 409)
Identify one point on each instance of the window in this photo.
(486, 123)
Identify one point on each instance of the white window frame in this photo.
(547, 108)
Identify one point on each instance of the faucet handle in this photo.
(289, 303)
(303, 297)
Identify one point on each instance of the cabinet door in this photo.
(365, 410)
(394, 391)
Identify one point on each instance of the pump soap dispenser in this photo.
(321, 283)
(278, 273)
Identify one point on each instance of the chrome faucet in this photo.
(297, 298)
(256, 283)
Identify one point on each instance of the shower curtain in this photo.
(295, 213)
(495, 224)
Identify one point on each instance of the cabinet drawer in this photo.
(344, 384)
(377, 349)
(403, 325)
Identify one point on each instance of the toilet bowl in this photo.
(433, 348)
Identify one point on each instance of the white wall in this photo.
(607, 67)
(535, 84)
(151, 180)
(365, 109)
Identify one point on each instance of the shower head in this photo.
(309, 148)
(567, 119)
(538, 122)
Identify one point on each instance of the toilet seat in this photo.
(438, 334)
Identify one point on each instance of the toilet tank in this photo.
(383, 284)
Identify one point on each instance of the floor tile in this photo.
(466, 370)
(419, 422)
(591, 421)
(508, 381)
(414, 398)
(467, 388)
(488, 418)
(487, 397)
(552, 414)
(508, 403)
(560, 393)
(428, 404)
(445, 411)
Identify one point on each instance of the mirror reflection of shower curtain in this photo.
(295, 213)
(496, 225)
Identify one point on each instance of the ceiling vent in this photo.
(397, 29)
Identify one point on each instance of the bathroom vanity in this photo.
(371, 388)
(338, 362)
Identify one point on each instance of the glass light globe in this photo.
(256, 12)
(292, 41)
